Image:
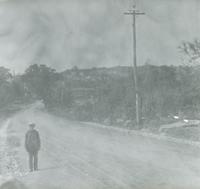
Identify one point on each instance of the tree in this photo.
(6, 95)
(40, 80)
(191, 50)
(5, 75)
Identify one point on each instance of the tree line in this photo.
(106, 95)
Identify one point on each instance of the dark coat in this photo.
(32, 141)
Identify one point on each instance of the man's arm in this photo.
(26, 141)
(39, 142)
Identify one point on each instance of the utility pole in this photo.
(135, 13)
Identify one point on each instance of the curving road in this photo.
(85, 156)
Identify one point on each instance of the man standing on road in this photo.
(32, 145)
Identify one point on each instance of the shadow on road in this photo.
(51, 168)
(13, 184)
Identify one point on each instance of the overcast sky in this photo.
(89, 33)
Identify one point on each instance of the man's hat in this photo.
(32, 124)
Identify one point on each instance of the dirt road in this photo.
(82, 156)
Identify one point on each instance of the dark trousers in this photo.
(33, 161)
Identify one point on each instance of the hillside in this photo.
(107, 95)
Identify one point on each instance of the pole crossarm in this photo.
(135, 13)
